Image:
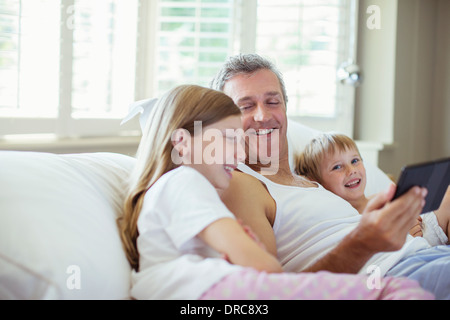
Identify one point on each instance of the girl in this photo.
(176, 231)
(334, 161)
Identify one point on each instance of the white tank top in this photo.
(310, 222)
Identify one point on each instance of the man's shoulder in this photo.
(243, 178)
(248, 186)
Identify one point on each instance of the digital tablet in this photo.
(434, 175)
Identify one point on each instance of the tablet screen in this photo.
(435, 176)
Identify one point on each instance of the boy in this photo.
(334, 161)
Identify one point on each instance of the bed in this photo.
(58, 234)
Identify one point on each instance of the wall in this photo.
(440, 128)
(404, 102)
(376, 56)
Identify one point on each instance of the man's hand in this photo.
(384, 224)
(383, 227)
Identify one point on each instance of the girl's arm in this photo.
(228, 237)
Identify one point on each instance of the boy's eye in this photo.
(337, 167)
(354, 161)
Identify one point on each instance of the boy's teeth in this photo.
(352, 183)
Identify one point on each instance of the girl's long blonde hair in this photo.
(177, 109)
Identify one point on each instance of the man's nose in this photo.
(261, 114)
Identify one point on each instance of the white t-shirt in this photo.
(174, 263)
(309, 222)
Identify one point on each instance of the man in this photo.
(307, 227)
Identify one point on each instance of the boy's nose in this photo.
(350, 170)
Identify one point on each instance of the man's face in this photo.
(260, 98)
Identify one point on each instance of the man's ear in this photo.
(181, 142)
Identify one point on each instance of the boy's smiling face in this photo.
(344, 174)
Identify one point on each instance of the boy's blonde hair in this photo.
(308, 162)
(177, 109)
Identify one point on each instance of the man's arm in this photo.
(384, 227)
(250, 202)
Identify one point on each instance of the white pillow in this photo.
(299, 136)
(58, 234)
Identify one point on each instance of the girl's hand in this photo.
(252, 235)
(416, 231)
(225, 257)
(238, 246)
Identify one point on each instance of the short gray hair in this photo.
(246, 64)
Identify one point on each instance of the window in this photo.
(72, 67)
(307, 39)
(66, 67)
(194, 38)
(29, 58)
(104, 57)
(317, 36)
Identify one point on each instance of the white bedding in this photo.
(58, 234)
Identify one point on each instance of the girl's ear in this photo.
(181, 142)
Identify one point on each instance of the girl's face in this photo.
(344, 174)
(217, 150)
